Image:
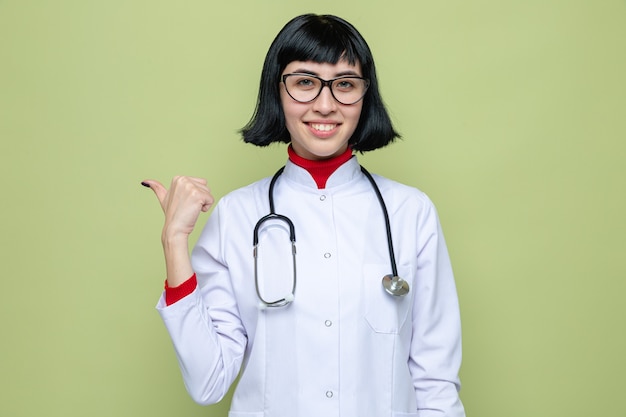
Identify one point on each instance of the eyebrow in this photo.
(339, 74)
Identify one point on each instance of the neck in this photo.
(321, 169)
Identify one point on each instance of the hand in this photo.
(181, 204)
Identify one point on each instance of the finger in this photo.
(197, 180)
(158, 189)
(207, 205)
(207, 199)
(196, 188)
(200, 183)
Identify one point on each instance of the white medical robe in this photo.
(344, 347)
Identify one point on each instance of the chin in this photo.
(326, 153)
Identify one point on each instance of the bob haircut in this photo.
(321, 39)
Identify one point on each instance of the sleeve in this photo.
(435, 356)
(205, 327)
(174, 294)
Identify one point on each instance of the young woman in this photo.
(346, 305)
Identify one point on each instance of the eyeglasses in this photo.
(305, 88)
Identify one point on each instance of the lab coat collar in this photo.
(347, 172)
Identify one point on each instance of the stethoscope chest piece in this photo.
(395, 285)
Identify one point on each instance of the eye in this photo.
(305, 82)
(345, 84)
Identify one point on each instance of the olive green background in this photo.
(513, 116)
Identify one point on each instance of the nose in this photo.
(325, 103)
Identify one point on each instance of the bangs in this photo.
(321, 41)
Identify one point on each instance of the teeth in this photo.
(323, 127)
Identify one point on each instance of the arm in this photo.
(435, 356)
(205, 330)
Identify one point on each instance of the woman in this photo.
(314, 332)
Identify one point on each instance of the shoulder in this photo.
(244, 198)
(400, 193)
(409, 204)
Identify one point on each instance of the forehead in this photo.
(324, 69)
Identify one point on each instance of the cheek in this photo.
(293, 114)
(355, 114)
(285, 105)
(353, 117)
(290, 118)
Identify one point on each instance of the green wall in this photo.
(513, 115)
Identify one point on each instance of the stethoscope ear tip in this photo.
(289, 298)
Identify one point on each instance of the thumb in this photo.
(158, 188)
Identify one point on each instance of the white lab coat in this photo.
(344, 347)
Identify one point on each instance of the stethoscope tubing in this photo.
(255, 243)
(393, 284)
(392, 257)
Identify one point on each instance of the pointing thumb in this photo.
(158, 189)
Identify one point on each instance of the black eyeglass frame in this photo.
(326, 83)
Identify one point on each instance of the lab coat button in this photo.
(327, 255)
(322, 197)
(328, 323)
(329, 394)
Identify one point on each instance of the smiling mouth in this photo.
(323, 127)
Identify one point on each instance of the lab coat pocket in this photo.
(384, 312)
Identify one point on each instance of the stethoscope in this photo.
(393, 284)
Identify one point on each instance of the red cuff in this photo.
(174, 294)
